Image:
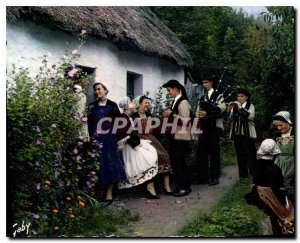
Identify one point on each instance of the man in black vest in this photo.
(209, 112)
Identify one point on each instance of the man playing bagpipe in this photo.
(209, 110)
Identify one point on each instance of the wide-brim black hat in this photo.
(212, 78)
(243, 91)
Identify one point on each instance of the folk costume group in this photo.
(136, 158)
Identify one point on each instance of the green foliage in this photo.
(98, 222)
(212, 35)
(161, 102)
(48, 165)
(231, 217)
(279, 69)
(259, 53)
(228, 156)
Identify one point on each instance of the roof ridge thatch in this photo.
(135, 29)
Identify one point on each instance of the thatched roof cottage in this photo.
(127, 47)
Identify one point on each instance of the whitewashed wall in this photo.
(27, 41)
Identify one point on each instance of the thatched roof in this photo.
(135, 29)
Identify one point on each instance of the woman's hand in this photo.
(166, 113)
(121, 146)
(201, 114)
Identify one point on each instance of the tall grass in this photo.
(228, 156)
(98, 221)
(230, 217)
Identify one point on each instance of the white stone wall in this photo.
(27, 41)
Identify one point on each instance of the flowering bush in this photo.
(162, 102)
(49, 167)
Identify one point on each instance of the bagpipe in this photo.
(211, 106)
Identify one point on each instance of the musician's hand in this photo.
(166, 113)
(238, 104)
(201, 114)
(230, 106)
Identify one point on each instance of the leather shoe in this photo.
(169, 193)
(181, 193)
(214, 182)
(151, 196)
(107, 202)
(200, 182)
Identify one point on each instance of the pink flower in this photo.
(35, 216)
(75, 151)
(72, 72)
(79, 143)
(62, 100)
(49, 54)
(84, 119)
(78, 158)
(38, 142)
(39, 83)
(83, 32)
(93, 155)
(77, 118)
(52, 74)
(89, 184)
(74, 52)
(38, 186)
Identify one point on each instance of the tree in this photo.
(280, 64)
(259, 53)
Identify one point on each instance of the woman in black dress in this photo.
(101, 115)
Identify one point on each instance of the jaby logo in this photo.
(21, 229)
